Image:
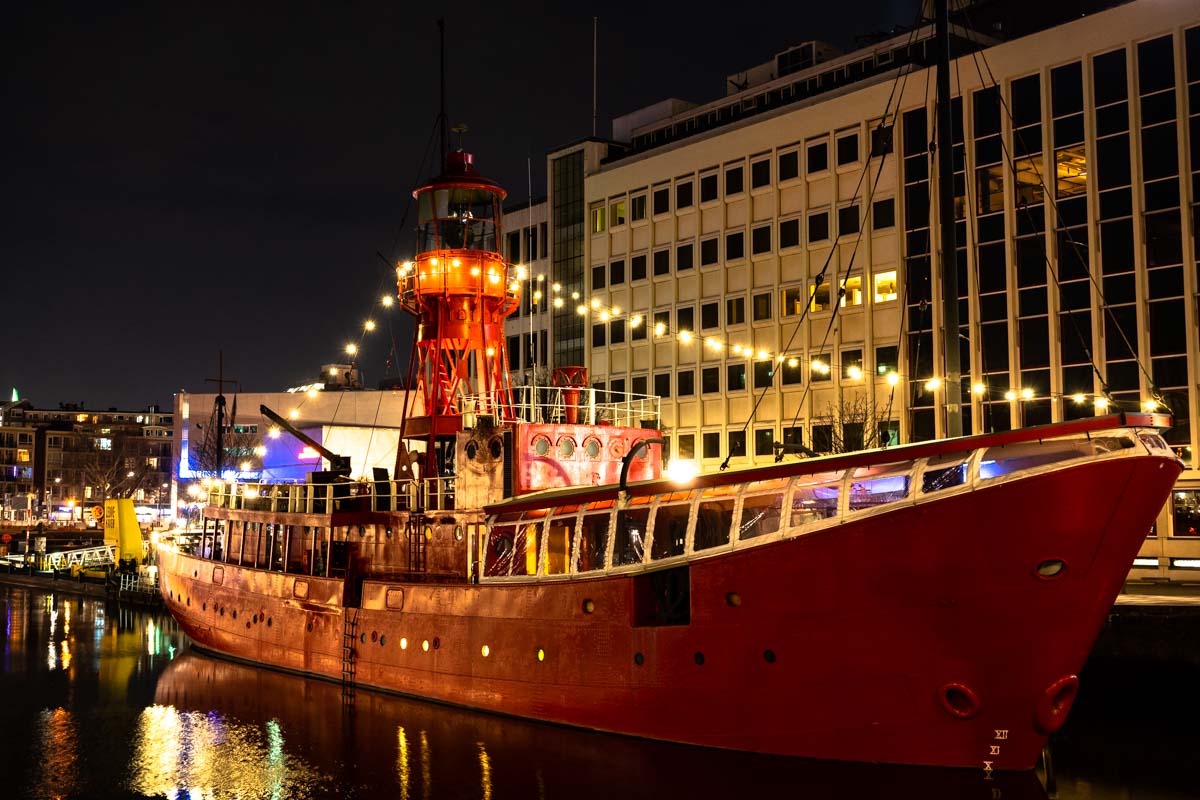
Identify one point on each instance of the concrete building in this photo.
(527, 331)
(767, 262)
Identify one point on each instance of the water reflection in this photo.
(211, 711)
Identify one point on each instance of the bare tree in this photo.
(236, 445)
(851, 424)
(118, 466)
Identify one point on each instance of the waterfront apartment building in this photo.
(768, 263)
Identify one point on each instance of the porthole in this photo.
(387, 533)
(485, 651)
(374, 636)
(268, 622)
(496, 447)
(195, 573)
(458, 533)
(616, 449)
(588, 606)
(310, 627)
(255, 619)
(247, 624)
(222, 611)
(639, 659)
(382, 640)
(472, 449)
(362, 531)
(235, 613)
(436, 643)
(698, 658)
(362, 637)
(425, 645)
(733, 599)
(541, 445)
(769, 656)
(959, 700)
(204, 606)
(403, 643)
(566, 447)
(592, 448)
(541, 654)
(1051, 568)
(189, 602)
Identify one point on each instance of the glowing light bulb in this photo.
(1101, 403)
(1010, 395)
(311, 393)
(685, 337)
(660, 328)
(541, 278)
(369, 324)
(933, 384)
(522, 273)
(537, 295)
(763, 355)
(793, 362)
(604, 315)
(817, 365)
(557, 287)
(1078, 398)
(616, 311)
(494, 278)
(294, 414)
(574, 295)
(1027, 394)
(893, 378)
(387, 301)
(474, 272)
(682, 471)
(635, 320)
(260, 451)
(491, 351)
(854, 373)
(333, 372)
(595, 303)
(351, 349)
(433, 261)
(273, 433)
(713, 343)
(581, 310)
(737, 349)
(1149, 406)
(455, 263)
(558, 302)
(979, 388)
(244, 466)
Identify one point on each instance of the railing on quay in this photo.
(422, 494)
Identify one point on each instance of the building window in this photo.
(852, 365)
(852, 291)
(709, 190)
(685, 382)
(598, 277)
(514, 352)
(710, 316)
(847, 220)
(662, 323)
(818, 227)
(637, 268)
(712, 444)
(789, 233)
(735, 377)
(598, 219)
(514, 247)
(662, 201)
(793, 437)
(737, 444)
(822, 438)
(760, 174)
(735, 246)
(598, 334)
(764, 441)
(760, 240)
(847, 149)
(735, 311)
(884, 213)
(616, 272)
(710, 251)
(637, 207)
(616, 331)
(662, 384)
(662, 262)
(764, 373)
(762, 307)
(638, 385)
(733, 180)
(792, 372)
(617, 213)
(710, 380)
(684, 255)
(885, 286)
(818, 157)
(792, 301)
(687, 446)
(887, 359)
(819, 297)
(685, 319)
(789, 166)
(637, 328)
(683, 195)
(820, 369)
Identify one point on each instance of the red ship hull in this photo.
(923, 635)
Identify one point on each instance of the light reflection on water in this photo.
(108, 702)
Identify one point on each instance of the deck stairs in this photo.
(349, 642)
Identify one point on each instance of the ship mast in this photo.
(946, 222)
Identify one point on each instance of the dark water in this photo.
(102, 701)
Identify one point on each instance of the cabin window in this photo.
(945, 472)
(762, 511)
(815, 497)
(670, 525)
(593, 539)
(1005, 460)
(879, 485)
(629, 540)
(525, 548)
(714, 517)
(499, 555)
(560, 544)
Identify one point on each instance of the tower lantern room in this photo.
(460, 289)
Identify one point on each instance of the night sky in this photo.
(181, 179)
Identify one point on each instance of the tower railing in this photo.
(549, 404)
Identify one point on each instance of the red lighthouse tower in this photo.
(460, 289)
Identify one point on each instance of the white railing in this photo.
(85, 557)
(423, 494)
(551, 404)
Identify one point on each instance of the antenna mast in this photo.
(946, 222)
(441, 23)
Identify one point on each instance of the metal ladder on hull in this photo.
(349, 637)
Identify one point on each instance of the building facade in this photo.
(527, 330)
(767, 263)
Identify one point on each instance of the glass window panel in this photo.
(815, 497)
(945, 472)
(593, 541)
(714, 520)
(560, 545)
(670, 528)
(629, 540)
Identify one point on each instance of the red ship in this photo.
(924, 604)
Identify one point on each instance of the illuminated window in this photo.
(1070, 171)
(22, 456)
(1029, 190)
(854, 292)
(616, 213)
(885, 286)
(598, 220)
(793, 302)
(990, 188)
(819, 297)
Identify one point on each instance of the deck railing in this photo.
(550, 404)
(424, 494)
